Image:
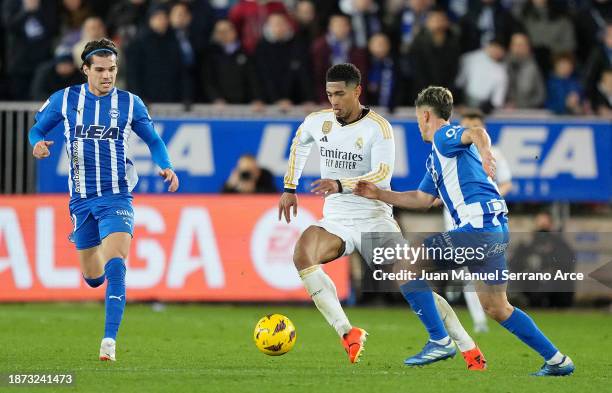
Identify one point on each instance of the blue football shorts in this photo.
(489, 250)
(93, 219)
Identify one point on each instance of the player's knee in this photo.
(303, 255)
(301, 259)
(94, 282)
(498, 310)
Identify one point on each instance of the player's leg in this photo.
(472, 355)
(114, 250)
(115, 222)
(475, 308)
(495, 303)
(317, 246)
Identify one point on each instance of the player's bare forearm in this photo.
(415, 200)
(407, 200)
(478, 136)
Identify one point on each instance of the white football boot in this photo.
(107, 349)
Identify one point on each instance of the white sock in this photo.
(323, 292)
(443, 341)
(473, 304)
(556, 359)
(453, 326)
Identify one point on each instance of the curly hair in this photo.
(345, 72)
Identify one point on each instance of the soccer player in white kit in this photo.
(355, 144)
(503, 177)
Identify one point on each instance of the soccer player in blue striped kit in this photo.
(460, 171)
(97, 121)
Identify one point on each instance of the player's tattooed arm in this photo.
(479, 137)
(416, 200)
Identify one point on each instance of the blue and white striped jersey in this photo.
(97, 132)
(455, 174)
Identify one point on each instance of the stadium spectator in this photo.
(281, 65)
(228, 74)
(365, 19)
(125, 19)
(564, 90)
(526, 87)
(437, 41)
(550, 30)
(155, 68)
(485, 20)
(73, 14)
(408, 22)
(249, 178)
(181, 22)
(202, 22)
(483, 77)
(334, 48)
(249, 17)
(547, 251)
(383, 78)
(93, 29)
(590, 23)
(55, 75)
(599, 60)
(30, 27)
(307, 22)
(601, 99)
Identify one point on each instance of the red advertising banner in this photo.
(185, 248)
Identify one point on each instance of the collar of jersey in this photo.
(364, 113)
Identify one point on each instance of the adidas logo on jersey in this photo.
(324, 139)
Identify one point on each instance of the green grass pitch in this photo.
(209, 348)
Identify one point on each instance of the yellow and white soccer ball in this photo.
(274, 335)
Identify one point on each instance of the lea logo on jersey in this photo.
(96, 131)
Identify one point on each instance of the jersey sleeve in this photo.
(298, 155)
(448, 142)
(381, 162)
(143, 127)
(428, 186)
(47, 118)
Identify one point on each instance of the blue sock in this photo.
(94, 282)
(523, 327)
(421, 299)
(115, 296)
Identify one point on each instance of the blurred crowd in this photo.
(493, 54)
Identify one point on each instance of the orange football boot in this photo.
(354, 342)
(475, 360)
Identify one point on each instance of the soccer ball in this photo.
(274, 335)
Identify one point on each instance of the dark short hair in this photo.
(473, 113)
(102, 47)
(345, 72)
(440, 99)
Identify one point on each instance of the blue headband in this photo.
(93, 52)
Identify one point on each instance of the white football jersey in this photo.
(362, 150)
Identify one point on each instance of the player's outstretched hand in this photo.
(41, 149)
(169, 176)
(325, 187)
(488, 163)
(286, 203)
(366, 189)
